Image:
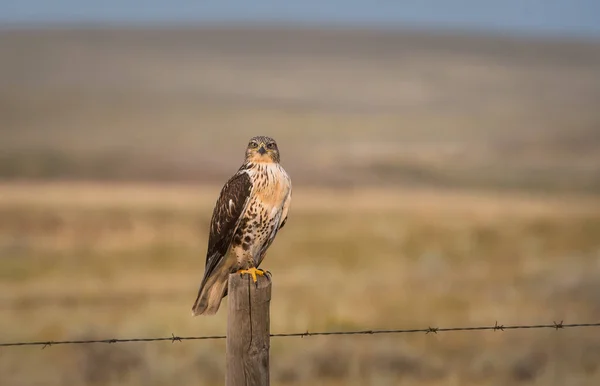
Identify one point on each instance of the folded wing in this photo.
(226, 216)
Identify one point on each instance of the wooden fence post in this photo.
(248, 331)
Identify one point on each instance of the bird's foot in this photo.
(253, 272)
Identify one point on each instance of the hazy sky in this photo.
(580, 17)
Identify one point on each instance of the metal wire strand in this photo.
(173, 338)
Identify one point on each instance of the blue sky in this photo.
(573, 17)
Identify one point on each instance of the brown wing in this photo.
(228, 210)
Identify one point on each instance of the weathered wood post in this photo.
(248, 331)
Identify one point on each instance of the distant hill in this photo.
(349, 107)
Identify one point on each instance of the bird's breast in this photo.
(272, 186)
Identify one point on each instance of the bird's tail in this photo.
(211, 292)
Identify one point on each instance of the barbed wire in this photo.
(173, 338)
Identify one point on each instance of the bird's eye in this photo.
(271, 146)
(253, 144)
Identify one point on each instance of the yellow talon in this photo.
(252, 272)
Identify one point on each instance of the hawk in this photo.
(252, 207)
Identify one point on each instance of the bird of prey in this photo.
(252, 207)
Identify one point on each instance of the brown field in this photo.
(97, 261)
(439, 180)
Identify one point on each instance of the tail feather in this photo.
(210, 294)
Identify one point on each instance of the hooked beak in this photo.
(262, 150)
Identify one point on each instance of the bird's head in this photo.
(262, 149)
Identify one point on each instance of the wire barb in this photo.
(173, 338)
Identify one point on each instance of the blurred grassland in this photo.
(91, 260)
(438, 181)
(394, 108)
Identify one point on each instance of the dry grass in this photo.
(357, 115)
(93, 260)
